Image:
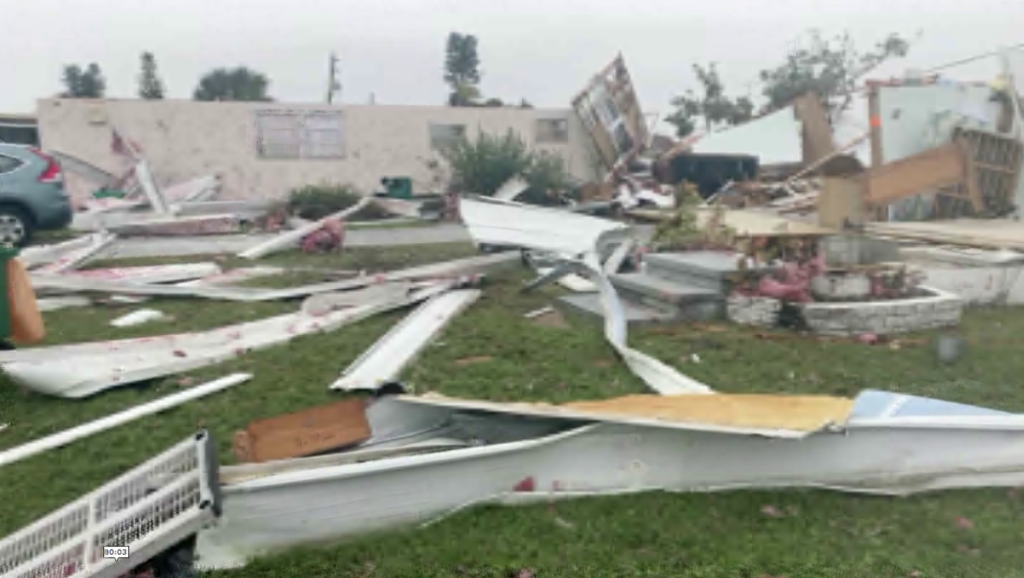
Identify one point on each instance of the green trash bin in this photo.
(7, 252)
(105, 193)
(398, 187)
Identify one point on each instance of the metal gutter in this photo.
(385, 360)
(120, 418)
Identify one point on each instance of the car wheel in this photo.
(15, 226)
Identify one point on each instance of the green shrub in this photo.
(482, 165)
(317, 201)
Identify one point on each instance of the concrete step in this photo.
(706, 269)
(588, 305)
(681, 300)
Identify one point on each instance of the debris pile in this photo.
(725, 246)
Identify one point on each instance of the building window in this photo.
(300, 134)
(445, 135)
(552, 130)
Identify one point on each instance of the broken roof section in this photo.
(611, 113)
(796, 134)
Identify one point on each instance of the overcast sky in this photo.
(541, 50)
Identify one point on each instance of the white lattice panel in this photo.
(149, 509)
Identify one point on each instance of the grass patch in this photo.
(657, 534)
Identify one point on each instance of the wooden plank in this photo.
(942, 166)
(841, 201)
(303, 433)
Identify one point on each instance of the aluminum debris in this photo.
(85, 369)
(447, 269)
(385, 360)
(324, 303)
(57, 303)
(120, 418)
(580, 240)
(69, 255)
(775, 138)
(191, 226)
(538, 312)
(138, 318)
(233, 276)
(888, 444)
(44, 254)
(148, 510)
(149, 188)
(148, 274)
(518, 225)
(511, 189)
(291, 238)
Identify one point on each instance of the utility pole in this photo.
(333, 84)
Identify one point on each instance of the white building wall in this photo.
(186, 139)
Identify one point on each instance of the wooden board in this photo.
(303, 433)
(942, 166)
(792, 412)
(984, 233)
(841, 201)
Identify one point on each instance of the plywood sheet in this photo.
(792, 412)
(304, 432)
(987, 233)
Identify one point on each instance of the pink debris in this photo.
(329, 237)
(525, 485)
(868, 338)
(792, 292)
(964, 523)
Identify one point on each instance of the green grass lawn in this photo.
(724, 535)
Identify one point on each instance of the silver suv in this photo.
(32, 194)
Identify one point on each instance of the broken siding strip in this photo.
(78, 371)
(384, 361)
(285, 240)
(44, 254)
(80, 254)
(445, 270)
(575, 238)
(150, 274)
(85, 430)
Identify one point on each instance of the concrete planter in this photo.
(840, 287)
(934, 309)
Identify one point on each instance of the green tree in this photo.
(462, 69)
(83, 84)
(831, 69)
(712, 105)
(150, 85)
(238, 83)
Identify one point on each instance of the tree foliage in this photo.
(482, 165)
(150, 85)
(239, 83)
(462, 69)
(89, 83)
(712, 106)
(831, 69)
